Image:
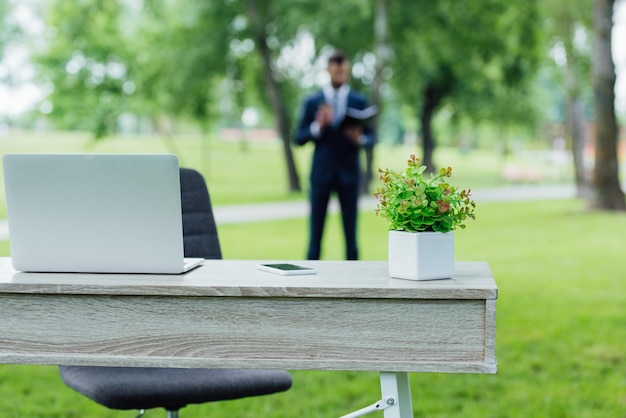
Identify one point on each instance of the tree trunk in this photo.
(432, 98)
(575, 117)
(283, 123)
(576, 131)
(381, 48)
(606, 175)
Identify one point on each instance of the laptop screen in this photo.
(101, 213)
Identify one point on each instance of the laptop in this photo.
(95, 213)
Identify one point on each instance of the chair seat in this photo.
(172, 389)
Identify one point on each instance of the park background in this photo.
(189, 78)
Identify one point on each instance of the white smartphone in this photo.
(286, 269)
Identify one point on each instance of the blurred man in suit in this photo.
(335, 166)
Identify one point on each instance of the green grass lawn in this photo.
(561, 324)
(561, 316)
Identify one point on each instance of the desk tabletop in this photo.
(240, 278)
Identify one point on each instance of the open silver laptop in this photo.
(95, 213)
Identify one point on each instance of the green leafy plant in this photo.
(413, 203)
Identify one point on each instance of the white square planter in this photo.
(421, 255)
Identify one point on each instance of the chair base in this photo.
(170, 414)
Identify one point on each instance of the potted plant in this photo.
(422, 211)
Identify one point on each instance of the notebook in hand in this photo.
(95, 213)
(359, 117)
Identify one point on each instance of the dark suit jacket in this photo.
(335, 156)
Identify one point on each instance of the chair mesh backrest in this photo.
(199, 229)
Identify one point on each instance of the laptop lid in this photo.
(94, 213)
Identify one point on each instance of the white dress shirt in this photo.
(331, 95)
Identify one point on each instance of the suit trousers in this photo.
(348, 201)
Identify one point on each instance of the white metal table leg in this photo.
(396, 401)
(396, 385)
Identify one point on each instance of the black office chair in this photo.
(144, 388)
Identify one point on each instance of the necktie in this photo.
(336, 115)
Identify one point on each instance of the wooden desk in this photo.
(227, 314)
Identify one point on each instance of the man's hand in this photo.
(324, 116)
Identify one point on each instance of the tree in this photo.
(364, 37)
(86, 61)
(171, 62)
(445, 56)
(178, 65)
(382, 51)
(5, 28)
(10, 30)
(172, 58)
(11, 34)
(567, 22)
(609, 194)
(276, 26)
(262, 14)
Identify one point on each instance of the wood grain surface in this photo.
(350, 316)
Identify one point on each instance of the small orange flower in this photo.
(442, 206)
